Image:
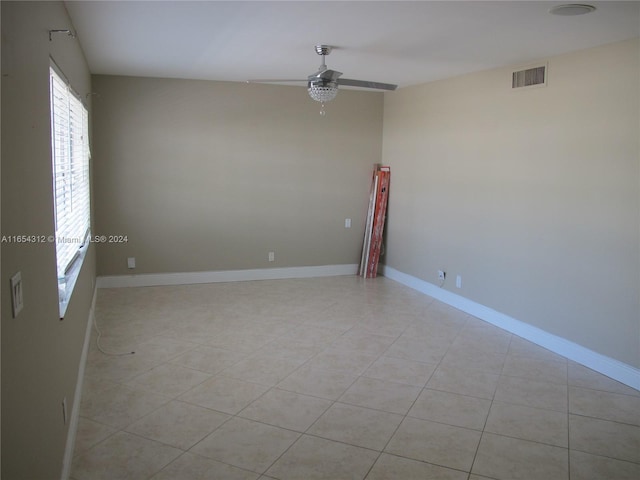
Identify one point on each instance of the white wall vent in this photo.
(529, 77)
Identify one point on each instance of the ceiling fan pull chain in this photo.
(322, 111)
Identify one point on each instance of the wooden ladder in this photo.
(375, 222)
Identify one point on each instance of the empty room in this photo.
(295, 240)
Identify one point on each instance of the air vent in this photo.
(535, 76)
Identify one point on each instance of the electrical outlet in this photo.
(459, 281)
(442, 274)
(131, 262)
(272, 256)
(17, 301)
(347, 223)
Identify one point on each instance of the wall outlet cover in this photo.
(17, 301)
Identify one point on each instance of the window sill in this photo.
(68, 282)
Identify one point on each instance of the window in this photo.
(71, 184)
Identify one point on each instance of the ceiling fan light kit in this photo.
(322, 91)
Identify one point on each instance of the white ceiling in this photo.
(402, 42)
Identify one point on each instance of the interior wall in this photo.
(532, 196)
(40, 353)
(210, 176)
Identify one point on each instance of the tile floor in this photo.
(337, 378)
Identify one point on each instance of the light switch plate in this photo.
(16, 294)
(131, 262)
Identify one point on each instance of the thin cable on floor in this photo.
(95, 324)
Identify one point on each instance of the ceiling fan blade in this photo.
(271, 80)
(366, 84)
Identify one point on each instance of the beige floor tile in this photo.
(389, 467)
(286, 409)
(90, 433)
(484, 328)
(159, 348)
(169, 380)
(357, 426)
(431, 442)
(474, 359)
(464, 381)
(122, 343)
(381, 395)
(536, 369)
(314, 335)
(451, 408)
(313, 458)
(92, 387)
(240, 341)
(271, 327)
(122, 405)
(116, 368)
(356, 340)
(524, 348)
(392, 325)
(208, 359)
(335, 321)
(532, 393)
(606, 405)
(606, 438)
(370, 345)
(585, 466)
(125, 457)
(417, 349)
(349, 362)
(263, 368)
(195, 467)
(581, 376)
(178, 424)
(445, 313)
(246, 444)
(482, 339)
(433, 329)
(290, 349)
(400, 370)
(506, 458)
(224, 394)
(318, 382)
(528, 423)
(198, 335)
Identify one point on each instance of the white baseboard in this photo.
(77, 397)
(186, 278)
(608, 366)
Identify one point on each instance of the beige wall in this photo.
(532, 196)
(40, 353)
(205, 176)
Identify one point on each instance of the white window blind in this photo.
(70, 147)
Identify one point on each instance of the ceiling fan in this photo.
(323, 84)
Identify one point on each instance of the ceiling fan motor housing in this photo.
(323, 49)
